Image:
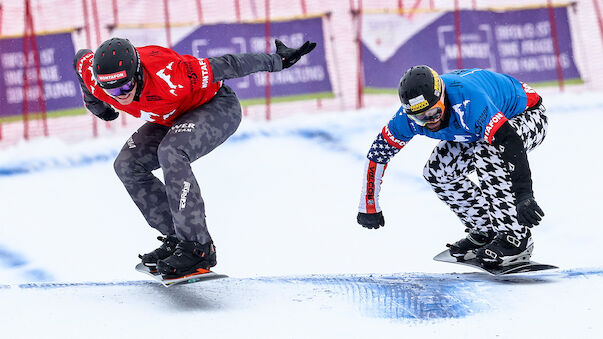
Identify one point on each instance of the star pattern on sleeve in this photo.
(381, 151)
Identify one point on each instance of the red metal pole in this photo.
(360, 69)
(166, 13)
(237, 5)
(86, 24)
(457, 31)
(115, 13)
(267, 29)
(555, 37)
(0, 31)
(25, 106)
(474, 4)
(199, 11)
(96, 22)
(599, 17)
(303, 7)
(41, 94)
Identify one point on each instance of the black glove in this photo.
(528, 212)
(292, 55)
(371, 220)
(107, 114)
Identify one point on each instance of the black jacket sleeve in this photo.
(514, 154)
(99, 108)
(231, 66)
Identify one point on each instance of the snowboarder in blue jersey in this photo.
(487, 123)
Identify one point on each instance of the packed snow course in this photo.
(281, 201)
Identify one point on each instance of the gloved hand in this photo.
(371, 220)
(528, 212)
(292, 55)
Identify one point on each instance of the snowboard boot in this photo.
(506, 249)
(464, 249)
(189, 258)
(165, 250)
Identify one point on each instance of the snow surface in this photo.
(281, 200)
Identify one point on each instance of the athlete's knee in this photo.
(169, 155)
(128, 168)
(430, 175)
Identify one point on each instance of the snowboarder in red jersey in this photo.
(190, 112)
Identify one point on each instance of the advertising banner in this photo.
(308, 77)
(60, 84)
(518, 43)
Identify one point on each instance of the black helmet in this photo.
(116, 62)
(420, 88)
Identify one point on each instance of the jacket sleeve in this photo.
(514, 154)
(384, 147)
(97, 107)
(231, 66)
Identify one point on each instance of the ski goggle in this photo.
(430, 115)
(124, 89)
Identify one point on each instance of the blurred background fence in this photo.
(364, 48)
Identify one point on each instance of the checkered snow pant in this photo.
(492, 203)
(177, 207)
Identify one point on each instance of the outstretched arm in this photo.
(384, 147)
(231, 66)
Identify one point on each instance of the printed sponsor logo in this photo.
(437, 84)
(418, 103)
(131, 143)
(204, 73)
(493, 122)
(391, 139)
(370, 187)
(185, 127)
(185, 189)
(153, 98)
(190, 73)
(112, 76)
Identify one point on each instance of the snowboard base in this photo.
(179, 281)
(523, 267)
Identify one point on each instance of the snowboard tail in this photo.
(202, 275)
(523, 267)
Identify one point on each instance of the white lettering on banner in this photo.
(168, 78)
(292, 76)
(506, 49)
(537, 46)
(523, 31)
(17, 59)
(258, 44)
(15, 77)
(470, 50)
(534, 63)
(57, 90)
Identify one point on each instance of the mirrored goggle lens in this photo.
(121, 90)
(431, 114)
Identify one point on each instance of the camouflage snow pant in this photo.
(492, 203)
(177, 207)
